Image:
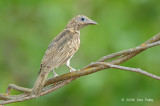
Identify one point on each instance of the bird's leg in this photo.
(54, 73)
(68, 65)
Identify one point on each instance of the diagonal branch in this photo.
(104, 64)
(59, 81)
(129, 51)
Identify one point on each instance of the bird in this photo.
(61, 50)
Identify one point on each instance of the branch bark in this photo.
(61, 80)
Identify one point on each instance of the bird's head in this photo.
(79, 22)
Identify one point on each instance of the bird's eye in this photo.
(82, 19)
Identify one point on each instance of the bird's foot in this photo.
(72, 69)
(55, 75)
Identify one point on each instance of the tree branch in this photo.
(61, 80)
(104, 64)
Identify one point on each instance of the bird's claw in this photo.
(55, 75)
(72, 69)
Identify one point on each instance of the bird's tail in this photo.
(39, 84)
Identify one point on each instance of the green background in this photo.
(28, 26)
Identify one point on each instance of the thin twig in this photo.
(18, 88)
(136, 70)
(46, 91)
(98, 64)
(124, 52)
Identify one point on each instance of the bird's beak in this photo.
(91, 22)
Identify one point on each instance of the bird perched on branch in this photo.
(61, 50)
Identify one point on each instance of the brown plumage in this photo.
(61, 50)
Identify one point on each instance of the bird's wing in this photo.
(60, 49)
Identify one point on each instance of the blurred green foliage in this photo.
(28, 26)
